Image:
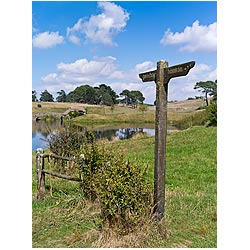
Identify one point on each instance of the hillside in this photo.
(106, 114)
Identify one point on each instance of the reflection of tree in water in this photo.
(107, 134)
(127, 133)
(45, 127)
(41, 130)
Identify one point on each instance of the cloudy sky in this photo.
(77, 43)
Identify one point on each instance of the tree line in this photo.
(102, 95)
(105, 95)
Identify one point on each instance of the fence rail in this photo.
(40, 162)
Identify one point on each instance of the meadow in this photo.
(65, 219)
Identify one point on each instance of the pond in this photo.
(42, 129)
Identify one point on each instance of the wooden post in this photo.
(40, 174)
(161, 77)
(160, 140)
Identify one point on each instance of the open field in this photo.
(120, 114)
(67, 220)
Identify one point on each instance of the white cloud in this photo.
(100, 66)
(195, 38)
(77, 27)
(82, 71)
(47, 40)
(145, 66)
(103, 27)
(74, 39)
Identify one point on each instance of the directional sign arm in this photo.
(178, 70)
(148, 76)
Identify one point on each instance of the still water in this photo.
(42, 129)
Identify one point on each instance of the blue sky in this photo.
(76, 43)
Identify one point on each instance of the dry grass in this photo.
(176, 111)
(141, 237)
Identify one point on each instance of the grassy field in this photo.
(118, 114)
(65, 219)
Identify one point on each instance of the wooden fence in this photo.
(41, 171)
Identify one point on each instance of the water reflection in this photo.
(42, 129)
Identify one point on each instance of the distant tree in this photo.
(198, 97)
(105, 95)
(103, 88)
(125, 94)
(136, 97)
(208, 88)
(107, 99)
(61, 96)
(82, 94)
(214, 92)
(34, 98)
(132, 97)
(46, 96)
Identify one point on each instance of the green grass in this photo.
(66, 220)
(104, 115)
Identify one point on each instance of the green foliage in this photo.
(46, 96)
(124, 194)
(132, 97)
(82, 94)
(103, 95)
(75, 113)
(119, 187)
(212, 114)
(34, 98)
(208, 88)
(66, 142)
(198, 118)
(61, 96)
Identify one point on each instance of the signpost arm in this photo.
(160, 140)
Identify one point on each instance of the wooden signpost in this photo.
(161, 77)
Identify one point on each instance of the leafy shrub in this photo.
(89, 160)
(119, 187)
(66, 142)
(124, 194)
(212, 114)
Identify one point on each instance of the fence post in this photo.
(40, 174)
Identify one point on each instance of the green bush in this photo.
(75, 113)
(124, 194)
(120, 187)
(212, 114)
(66, 141)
